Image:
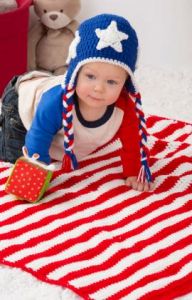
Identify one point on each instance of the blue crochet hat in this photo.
(103, 38)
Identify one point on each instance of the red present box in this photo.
(13, 42)
(28, 180)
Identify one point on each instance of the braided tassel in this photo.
(66, 163)
(69, 159)
(145, 173)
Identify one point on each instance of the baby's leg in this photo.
(12, 131)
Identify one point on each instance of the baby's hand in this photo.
(137, 185)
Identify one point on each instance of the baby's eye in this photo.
(111, 82)
(90, 76)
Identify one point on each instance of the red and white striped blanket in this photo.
(103, 240)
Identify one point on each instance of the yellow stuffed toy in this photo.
(51, 35)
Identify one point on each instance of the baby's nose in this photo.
(99, 87)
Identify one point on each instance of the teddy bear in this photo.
(49, 38)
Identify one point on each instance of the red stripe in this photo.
(168, 131)
(183, 137)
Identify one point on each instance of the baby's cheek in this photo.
(113, 95)
(82, 88)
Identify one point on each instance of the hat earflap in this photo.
(145, 173)
(67, 116)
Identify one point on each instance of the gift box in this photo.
(28, 180)
(13, 42)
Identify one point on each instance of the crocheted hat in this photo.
(103, 38)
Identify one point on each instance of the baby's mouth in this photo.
(96, 99)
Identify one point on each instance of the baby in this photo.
(95, 102)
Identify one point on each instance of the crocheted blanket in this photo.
(103, 240)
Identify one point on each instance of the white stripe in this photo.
(159, 126)
(139, 107)
(181, 185)
(151, 141)
(35, 217)
(13, 211)
(5, 173)
(69, 148)
(161, 163)
(144, 143)
(143, 124)
(186, 151)
(91, 167)
(161, 283)
(2, 187)
(70, 131)
(123, 263)
(86, 182)
(66, 139)
(73, 189)
(112, 147)
(152, 268)
(171, 147)
(65, 104)
(69, 94)
(189, 139)
(179, 132)
(6, 199)
(65, 123)
(68, 114)
(113, 220)
(4, 164)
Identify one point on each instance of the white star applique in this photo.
(73, 46)
(111, 37)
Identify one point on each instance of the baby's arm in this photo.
(46, 123)
(130, 153)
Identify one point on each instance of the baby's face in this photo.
(100, 83)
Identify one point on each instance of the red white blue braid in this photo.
(68, 130)
(145, 173)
